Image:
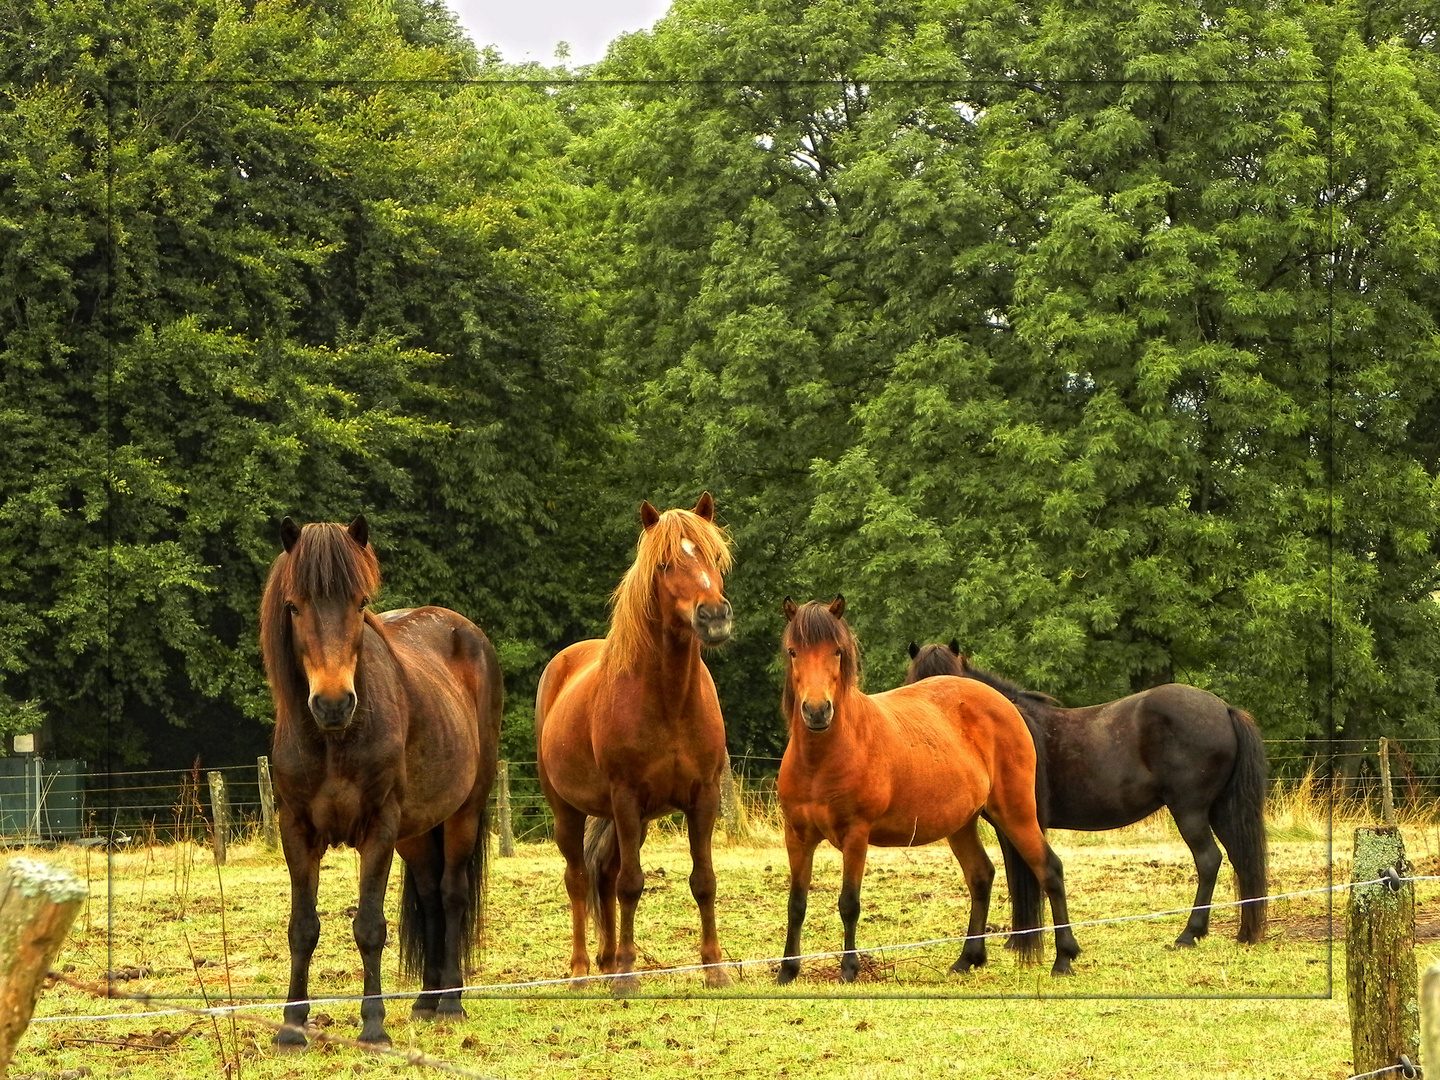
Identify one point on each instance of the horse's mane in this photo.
(324, 562)
(1022, 698)
(633, 602)
(814, 624)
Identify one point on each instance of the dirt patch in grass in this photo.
(1322, 928)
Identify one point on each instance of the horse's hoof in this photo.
(419, 1015)
(625, 986)
(450, 1010)
(717, 978)
(288, 1040)
(967, 963)
(1184, 942)
(1062, 966)
(786, 976)
(374, 1038)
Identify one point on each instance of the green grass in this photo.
(1134, 1008)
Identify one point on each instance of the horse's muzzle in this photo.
(332, 713)
(712, 623)
(817, 717)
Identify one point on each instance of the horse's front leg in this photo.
(854, 847)
(302, 859)
(700, 825)
(629, 884)
(800, 847)
(376, 852)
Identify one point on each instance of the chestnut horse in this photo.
(628, 728)
(900, 769)
(1113, 764)
(386, 734)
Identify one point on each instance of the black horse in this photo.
(1111, 765)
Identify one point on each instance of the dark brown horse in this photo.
(628, 728)
(1110, 765)
(386, 734)
(907, 767)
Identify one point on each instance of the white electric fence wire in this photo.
(490, 989)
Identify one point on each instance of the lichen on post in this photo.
(37, 905)
(1381, 975)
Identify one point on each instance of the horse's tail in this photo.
(1238, 818)
(412, 928)
(602, 858)
(1027, 897)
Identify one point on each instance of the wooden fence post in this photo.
(502, 801)
(268, 828)
(731, 812)
(1387, 795)
(1430, 1017)
(37, 905)
(220, 811)
(1380, 955)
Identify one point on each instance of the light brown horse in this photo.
(628, 728)
(898, 769)
(386, 734)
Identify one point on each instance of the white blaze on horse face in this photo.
(688, 547)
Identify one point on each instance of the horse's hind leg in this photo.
(1030, 842)
(979, 877)
(462, 833)
(570, 839)
(422, 922)
(700, 825)
(1195, 831)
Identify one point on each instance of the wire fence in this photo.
(172, 805)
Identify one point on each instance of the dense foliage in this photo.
(1102, 338)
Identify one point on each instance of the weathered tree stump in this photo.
(1380, 955)
(37, 905)
(502, 806)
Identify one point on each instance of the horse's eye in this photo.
(363, 601)
(792, 653)
(291, 609)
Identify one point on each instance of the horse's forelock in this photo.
(662, 543)
(326, 562)
(935, 660)
(814, 625)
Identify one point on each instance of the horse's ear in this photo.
(914, 650)
(837, 606)
(705, 508)
(289, 534)
(648, 515)
(964, 662)
(955, 645)
(789, 609)
(359, 530)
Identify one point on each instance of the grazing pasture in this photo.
(1135, 1007)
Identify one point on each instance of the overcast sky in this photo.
(530, 29)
